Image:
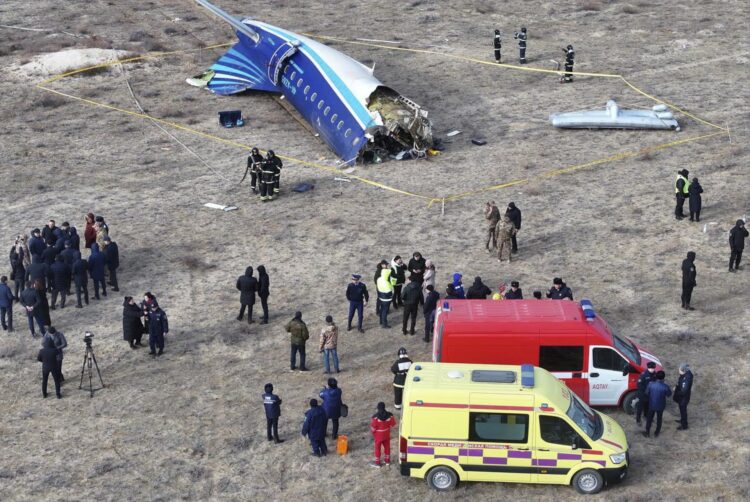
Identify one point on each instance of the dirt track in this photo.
(190, 425)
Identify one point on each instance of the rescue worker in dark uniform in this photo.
(515, 292)
(268, 178)
(515, 217)
(688, 279)
(158, 326)
(559, 290)
(498, 45)
(399, 370)
(255, 163)
(682, 394)
(521, 37)
(272, 405)
(273, 159)
(681, 191)
(648, 376)
(570, 56)
(657, 392)
(737, 237)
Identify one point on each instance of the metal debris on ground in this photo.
(453, 133)
(219, 206)
(479, 142)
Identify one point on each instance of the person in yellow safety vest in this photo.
(681, 187)
(385, 295)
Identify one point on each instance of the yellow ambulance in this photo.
(517, 424)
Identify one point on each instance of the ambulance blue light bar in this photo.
(527, 375)
(588, 309)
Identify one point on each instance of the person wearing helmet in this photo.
(399, 370)
(273, 159)
(521, 37)
(268, 177)
(569, 60)
(498, 45)
(255, 163)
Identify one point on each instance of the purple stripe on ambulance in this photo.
(600, 462)
(544, 462)
(519, 454)
(470, 453)
(495, 460)
(449, 457)
(568, 456)
(420, 450)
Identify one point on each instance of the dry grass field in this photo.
(190, 424)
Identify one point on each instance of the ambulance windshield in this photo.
(627, 348)
(585, 418)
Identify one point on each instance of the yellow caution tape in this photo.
(722, 130)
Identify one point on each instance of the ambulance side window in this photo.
(561, 358)
(499, 427)
(608, 359)
(555, 430)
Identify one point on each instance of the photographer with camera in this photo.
(521, 37)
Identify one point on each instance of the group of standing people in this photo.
(50, 261)
(265, 173)
(146, 317)
(653, 394)
(502, 230)
(523, 38)
(249, 286)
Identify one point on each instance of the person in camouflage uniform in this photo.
(492, 215)
(504, 232)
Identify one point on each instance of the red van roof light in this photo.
(588, 310)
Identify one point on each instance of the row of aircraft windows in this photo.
(321, 103)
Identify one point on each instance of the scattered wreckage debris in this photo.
(612, 117)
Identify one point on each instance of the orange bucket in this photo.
(342, 444)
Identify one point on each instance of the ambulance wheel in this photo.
(628, 402)
(442, 479)
(588, 482)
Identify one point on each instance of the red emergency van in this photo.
(566, 338)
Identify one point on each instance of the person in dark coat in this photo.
(60, 343)
(97, 264)
(657, 392)
(417, 266)
(36, 243)
(430, 306)
(515, 217)
(694, 203)
(356, 293)
(37, 271)
(48, 257)
(60, 281)
(48, 357)
(112, 259)
(50, 233)
(412, 297)
(272, 406)
(498, 45)
(478, 290)
(331, 397)
(74, 239)
(559, 290)
(30, 302)
(42, 308)
(682, 394)
(69, 256)
(398, 272)
(737, 237)
(18, 267)
(648, 376)
(247, 285)
(149, 301)
(132, 328)
(689, 275)
(264, 291)
(6, 304)
(314, 427)
(515, 292)
(158, 326)
(81, 279)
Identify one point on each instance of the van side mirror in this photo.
(627, 369)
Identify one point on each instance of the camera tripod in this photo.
(88, 358)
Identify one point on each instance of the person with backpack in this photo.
(331, 396)
(381, 424)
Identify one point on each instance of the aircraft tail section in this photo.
(235, 72)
